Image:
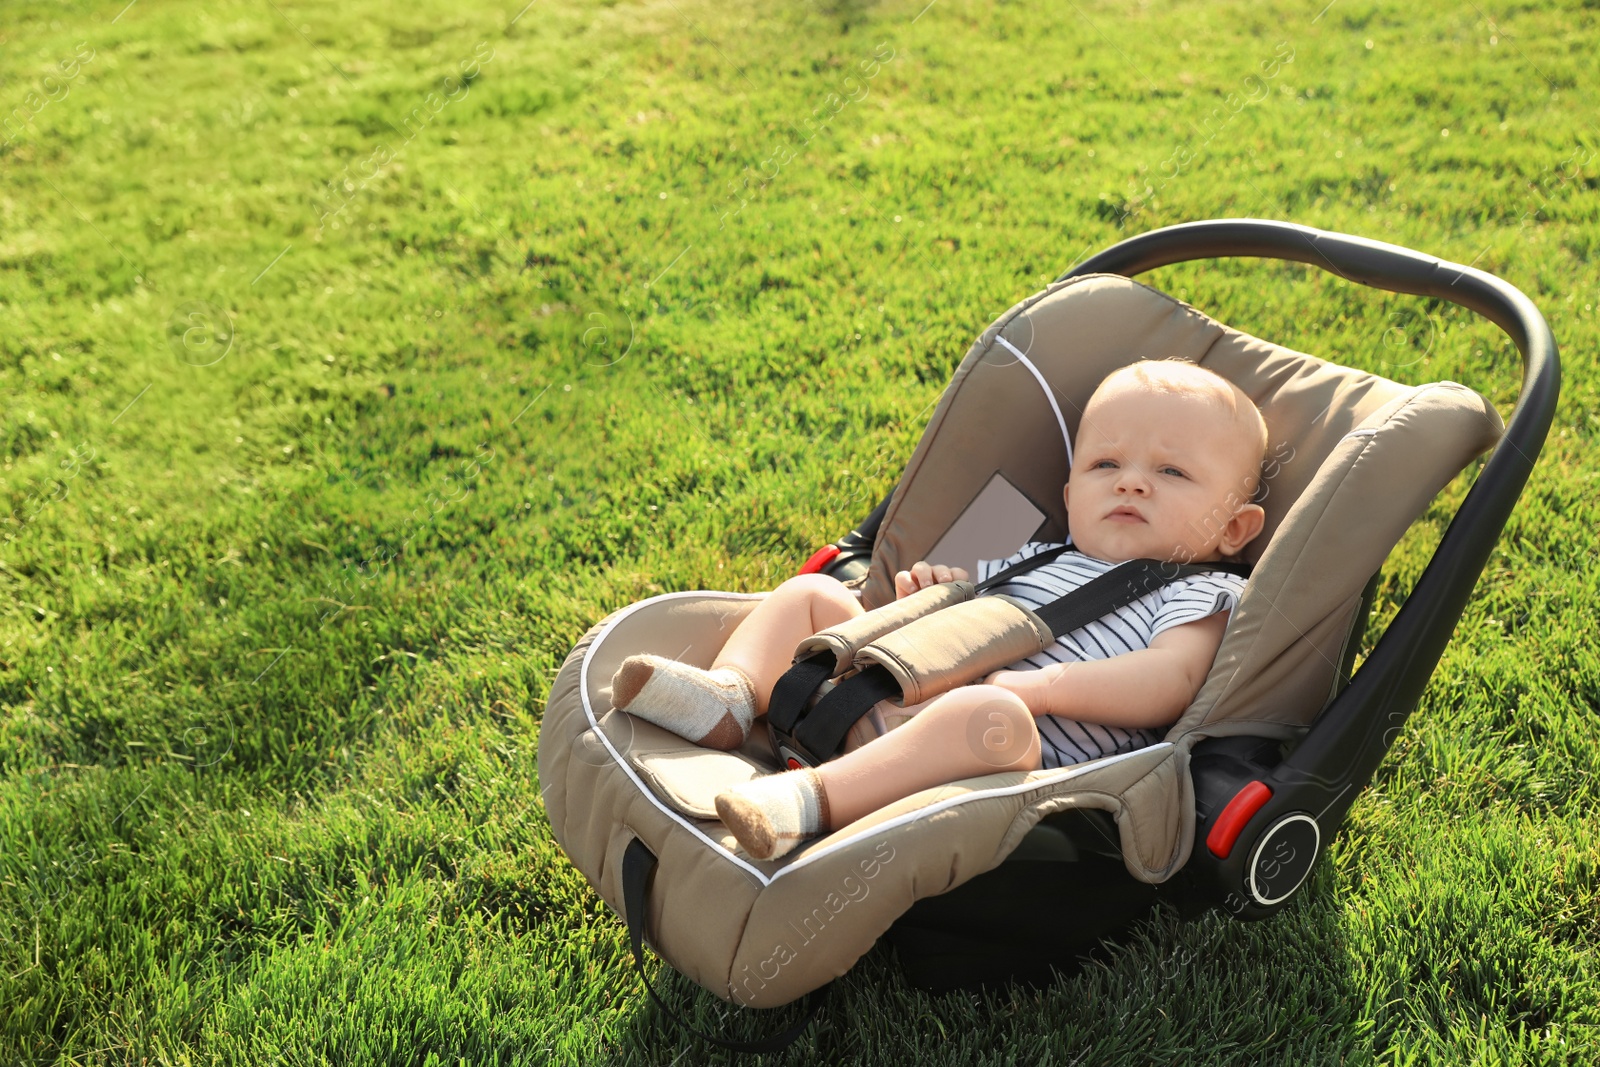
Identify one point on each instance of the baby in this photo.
(1167, 460)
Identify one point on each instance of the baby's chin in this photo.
(1108, 550)
(1114, 550)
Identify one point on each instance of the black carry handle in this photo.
(638, 864)
(817, 735)
(1331, 764)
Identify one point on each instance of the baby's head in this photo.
(1166, 462)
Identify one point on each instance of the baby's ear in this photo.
(1245, 526)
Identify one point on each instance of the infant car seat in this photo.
(1262, 766)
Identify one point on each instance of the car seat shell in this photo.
(1369, 456)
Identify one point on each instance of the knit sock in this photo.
(772, 814)
(712, 708)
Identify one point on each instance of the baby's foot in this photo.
(712, 708)
(770, 815)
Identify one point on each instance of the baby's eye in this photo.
(1104, 463)
(1173, 470)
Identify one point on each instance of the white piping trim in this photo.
(816, 855)
(1048, 393)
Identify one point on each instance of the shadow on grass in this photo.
(1259, 992)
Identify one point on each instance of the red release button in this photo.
(1245, 803)
(820, 559)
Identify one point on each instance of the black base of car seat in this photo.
(1025, 922)
(1046, 910)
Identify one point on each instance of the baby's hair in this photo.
(1190, 379)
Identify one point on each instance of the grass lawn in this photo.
(357, 358)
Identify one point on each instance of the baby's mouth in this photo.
(1125, 514)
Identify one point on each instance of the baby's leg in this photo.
(763, 644)
(716, 707)
(967, 732)
(975, 730)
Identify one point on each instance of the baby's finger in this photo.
(958, 574)
(941, 573)
(923, 573)
(903, 583)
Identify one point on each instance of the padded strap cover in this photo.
(847, 639)
(940, 652)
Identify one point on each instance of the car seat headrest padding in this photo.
(939, 652)
(1279, 658)
(848, 638)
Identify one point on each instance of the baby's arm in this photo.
(1148, 688)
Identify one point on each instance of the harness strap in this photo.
(1118, 587)
(1022, 566)
(965, 643)
(823, 730)
(638, 864)
(795, 687)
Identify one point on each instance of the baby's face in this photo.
(1161, 476)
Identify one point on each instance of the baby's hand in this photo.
(922, 574)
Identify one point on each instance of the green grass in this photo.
(277, 631)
